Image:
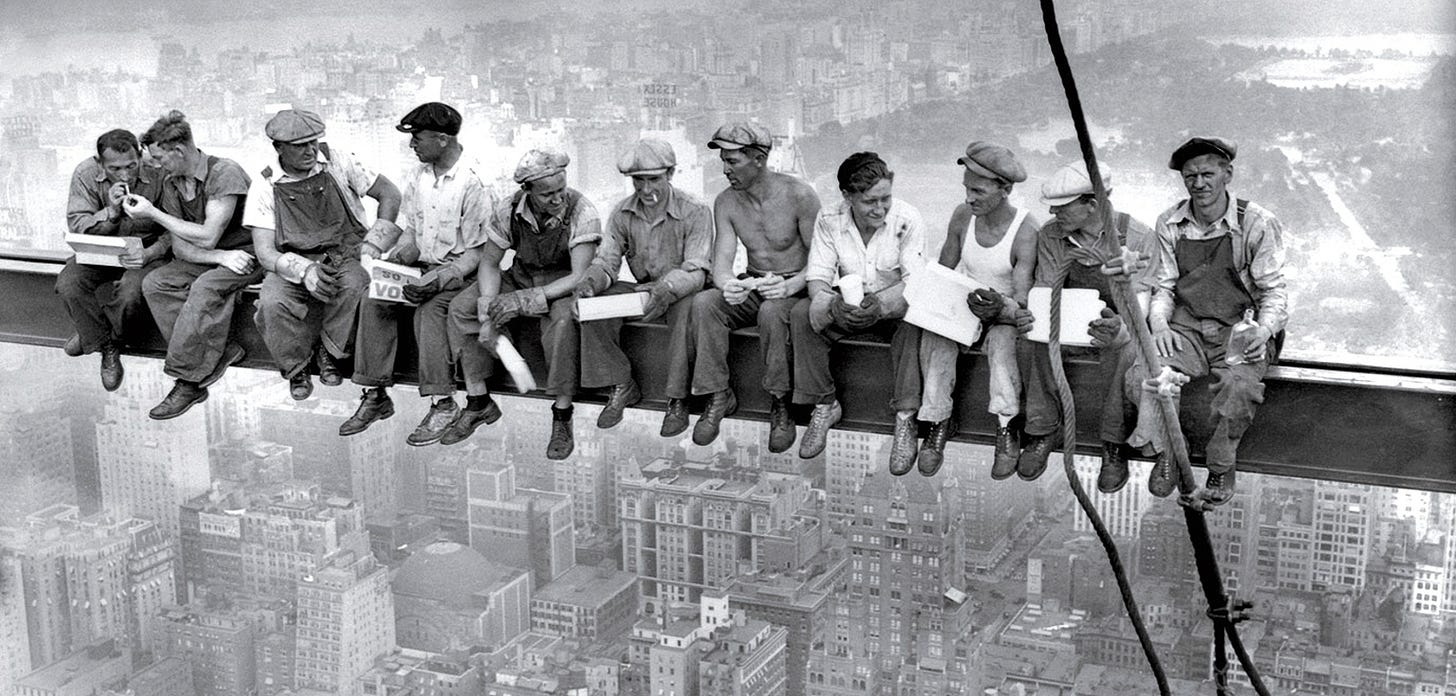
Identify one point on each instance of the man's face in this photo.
(121, 166)
(652, 189)
(1074, 215)
(870, 206)
(428, 145)
(983, 195)
(299, 158)
(1206, 177)
(547, 195)
(741, 167)
(172, 157)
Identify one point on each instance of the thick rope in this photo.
(1223, 610)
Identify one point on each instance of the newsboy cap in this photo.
(431, 116)
(992, 162)
(540, 163)
(1071, 182)
(741, 134)
(648, 156)
(1200, 145)
(294, 126)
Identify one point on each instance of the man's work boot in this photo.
(562, 441)
(432, 427)
(111, 370)
(375, 405)
(471, 418)
(1113, 475)
(184, 395)
(1033, 459)
(720, 405)
(1218, 488)
(623, 395)
(675, 421)
(1221, 450)
(1008, 449)
(231, 355)
(781, 430)
(328, 369)
(1163, 478)
(300, 386)
(932, 450)
(823, 418)
(73, 346)
(903, 446)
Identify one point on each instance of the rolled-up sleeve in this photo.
(586, 227)
(476, 207)
(1166, 236)
(498, 228)
(697, 252)
(1266, 270)
(823, 263)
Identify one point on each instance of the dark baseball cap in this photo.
(431, 116)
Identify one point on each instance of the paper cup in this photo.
(852, 288)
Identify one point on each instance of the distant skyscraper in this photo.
(40, 472)
(848, 458)
(521, 527)
(800, 603)
(992, 514)
(360, 467)
(84, 672)
(217, 645)
(14, 635)
(1122, 511)
(345, 622)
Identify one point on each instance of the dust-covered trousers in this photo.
(938, 356)
(377, 343)
(99, 323)
(1043, 403)
(603, 364)
(713, 323)
(293, 321)
(560, 338)
(193, 306)
(813, 377)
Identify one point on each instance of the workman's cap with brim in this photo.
(741, 134)
(1200, 145)
(294, 126)
(431, 116)
(1071, 182)
(992, 162)
(539, 164)
(650, 156)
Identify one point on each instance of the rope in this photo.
(1223, 610)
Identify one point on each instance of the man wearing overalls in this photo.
(554, 231)
(307, 223)
(444, 208)
(1218, 257)
(1077, 224)
(666, 236)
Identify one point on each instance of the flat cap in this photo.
(1200, 145)
(540, 163)
(993, 162)
(741, 134)
(1071, 182)
(294, 126)
(431, 116)
(649, 156)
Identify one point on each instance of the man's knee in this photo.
(775, 314)
(709, 305)
(71, 282)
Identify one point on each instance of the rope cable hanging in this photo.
(1223, 610)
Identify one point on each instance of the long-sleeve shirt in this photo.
(674, 249)
(87, 209)
(894, 252)
(447, 214)
(1054, 245)
(1258, 249)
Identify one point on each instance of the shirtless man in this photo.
(772, 214)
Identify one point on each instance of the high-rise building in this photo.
(588, 603)
(14, 636)
(84, 672)
(521, 527)
(274, 660)
(448, 596)
(992, 515)
(1122, 512)
(43, 474)
(848, 458)
(1344, 522)
(170, 676)
(217, 645)
(87, 579)
(747, 659)
(413, 673)
(360, 467)
(345, 622)
(799, 602)
(252, 461)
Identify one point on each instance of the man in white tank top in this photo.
(993, 242)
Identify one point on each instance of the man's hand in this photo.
(430, 284)
(736, 291)
(773, 287)
(1124, 267)
(369, 251)
(235, 260)
(1106, 329)
(116, 195)
(865, 315)
(593, 281)
(1022, 319)
(659, 300)
(321, 281)
(1258, 347)
(406, 253)
(504, 308)
(142, 257)
(138, 207)
(986, 304)
(1165, 338)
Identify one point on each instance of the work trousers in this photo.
(1043, 405)
(377, 343)
(560, 339)
(99, 323)
(713, 322)
(193, 306)
(813, 378)
(293, 321)
(938, 356)
(603, 364)
(1238, 391)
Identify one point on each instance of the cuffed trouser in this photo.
(714, 321)
(1236, 394)
(938, 356)
(99, 323)
(292, 321)
(1043, 405)
(378, 343)
(813, 379)
(193, 306)
(560, 339)
(603, 364)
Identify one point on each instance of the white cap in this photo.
(1071, 182)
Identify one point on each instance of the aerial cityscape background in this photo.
(247, 549)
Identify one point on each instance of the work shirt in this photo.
(894, 252)
(1055, 244)
(185, 196)
(673, 248)
(87, 209)
(353, 178)
(586, 224)
(446, 214)
(1258, 255)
